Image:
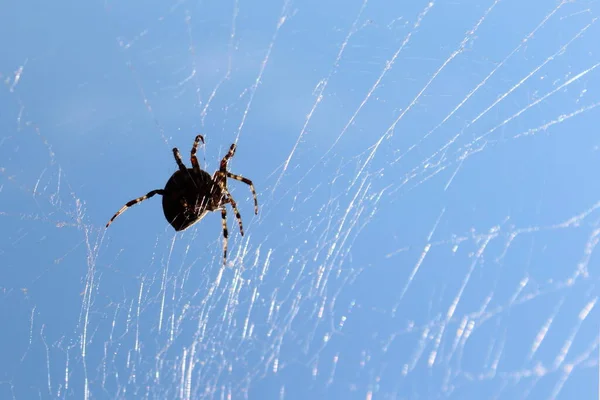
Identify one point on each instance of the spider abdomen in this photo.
(187, 197)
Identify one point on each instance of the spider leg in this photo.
(237, 213)
(195, 164)
(247, 182)
(135, 201)
(178, 160)
(225, 160)
(220, 180)
(225, 233)
(231, 201)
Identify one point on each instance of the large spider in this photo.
(190, 193)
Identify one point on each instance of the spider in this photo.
(190, 193)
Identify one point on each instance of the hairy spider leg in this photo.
(223, 169)
(231, 201)
(178, 160)
(225, 233)
(247, 182)
(195, 164)
(220, 176)
(135, 201)
(225, 160)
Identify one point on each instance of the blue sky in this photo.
(427, 184)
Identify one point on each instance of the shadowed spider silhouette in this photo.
(190, 193)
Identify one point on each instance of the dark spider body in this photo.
(182, 202)
(190, 193)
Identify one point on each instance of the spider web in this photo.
(427, 183)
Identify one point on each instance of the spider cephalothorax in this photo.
(191, 192)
